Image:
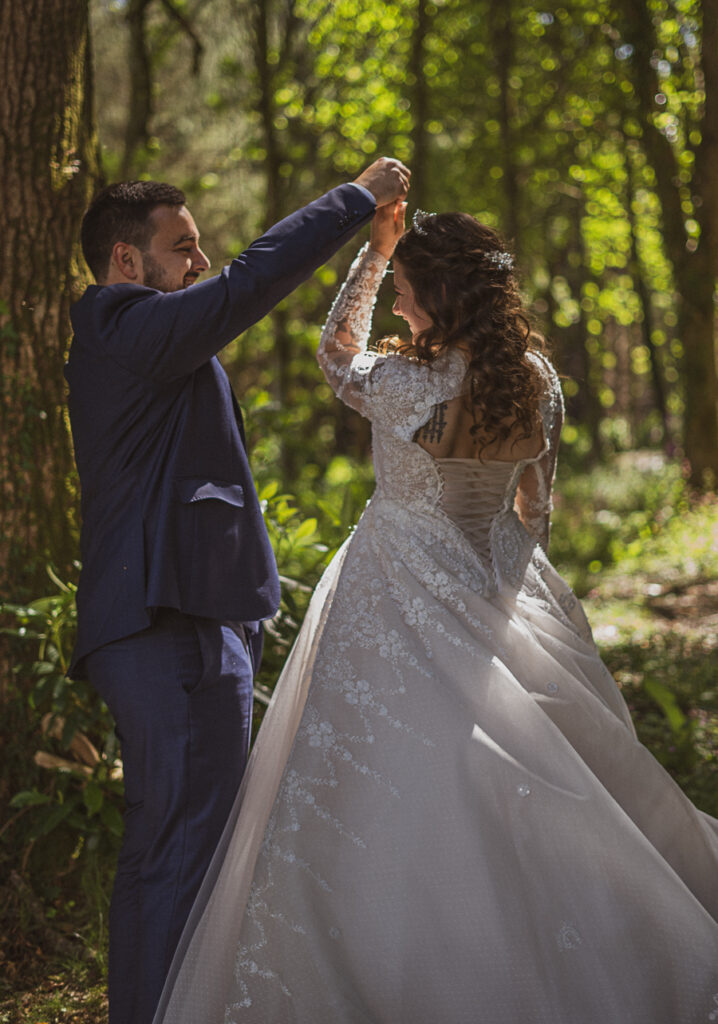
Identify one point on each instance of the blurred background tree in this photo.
(586, 133)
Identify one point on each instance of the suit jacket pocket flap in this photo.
(205, 490)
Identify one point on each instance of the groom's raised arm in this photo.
(163, 336)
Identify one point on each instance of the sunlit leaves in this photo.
(533, 122)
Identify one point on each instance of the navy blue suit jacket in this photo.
(170, 516)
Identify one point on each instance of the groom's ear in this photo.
(125, 264)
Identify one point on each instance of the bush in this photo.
(612, 513)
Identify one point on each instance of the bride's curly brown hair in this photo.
(462, 277)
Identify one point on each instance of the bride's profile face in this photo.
(405, 304)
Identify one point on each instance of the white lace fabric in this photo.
(398, 394)
(447, 816)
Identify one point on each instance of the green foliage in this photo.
(548, 144)
(651, 601)
(78, 788)
(613, 514)
(671, 687)
(304, 543)
(64, 818)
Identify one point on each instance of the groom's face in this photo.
(173, 259)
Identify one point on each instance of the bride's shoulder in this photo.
(544, 368)
(402, 381)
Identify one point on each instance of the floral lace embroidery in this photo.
(432, 575)
(568, 938)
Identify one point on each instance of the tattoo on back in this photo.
(433, 429)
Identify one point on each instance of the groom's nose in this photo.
(200, 262)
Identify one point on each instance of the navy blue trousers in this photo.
(181, 696)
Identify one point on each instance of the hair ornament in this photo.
(500, 260)
(418, 219)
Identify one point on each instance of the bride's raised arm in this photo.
(342, 352)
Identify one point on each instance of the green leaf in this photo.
(667, 703)
(305, 530)
(55, 817)
(330, 512)
(112, 819)
(30, 798)
(269, 490)
(43, 668)
(93, 797)
(45, 606)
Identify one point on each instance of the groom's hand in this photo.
(387, 180)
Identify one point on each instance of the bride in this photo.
(447, 817)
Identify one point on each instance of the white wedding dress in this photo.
(447, 818)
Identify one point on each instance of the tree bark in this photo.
(48, 167)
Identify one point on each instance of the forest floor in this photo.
(653, 606)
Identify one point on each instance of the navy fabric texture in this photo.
(170, 514)
(181, 696)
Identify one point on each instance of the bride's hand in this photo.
(387, 227)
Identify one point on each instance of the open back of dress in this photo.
(472, 493)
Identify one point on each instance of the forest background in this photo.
(587, 133)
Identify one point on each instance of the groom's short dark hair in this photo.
(120, 213)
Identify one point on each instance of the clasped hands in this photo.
(388, 181)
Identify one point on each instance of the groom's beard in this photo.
(155, 276)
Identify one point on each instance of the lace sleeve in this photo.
(534, 494)
(342, 354)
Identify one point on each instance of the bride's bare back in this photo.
(447, 435)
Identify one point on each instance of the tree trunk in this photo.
(503, 46)
(695, 264)
(575, 358)
(699, 276)
(140, 76)
(644, 298)
(48, 167)
(273, 204)
(419, 99)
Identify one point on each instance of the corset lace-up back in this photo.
(472, 494)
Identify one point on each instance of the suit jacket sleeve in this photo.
(168, 335)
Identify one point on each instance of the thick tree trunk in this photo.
(48, 164)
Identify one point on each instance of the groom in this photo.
(177, 569)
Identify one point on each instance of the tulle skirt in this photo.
(447, 818)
